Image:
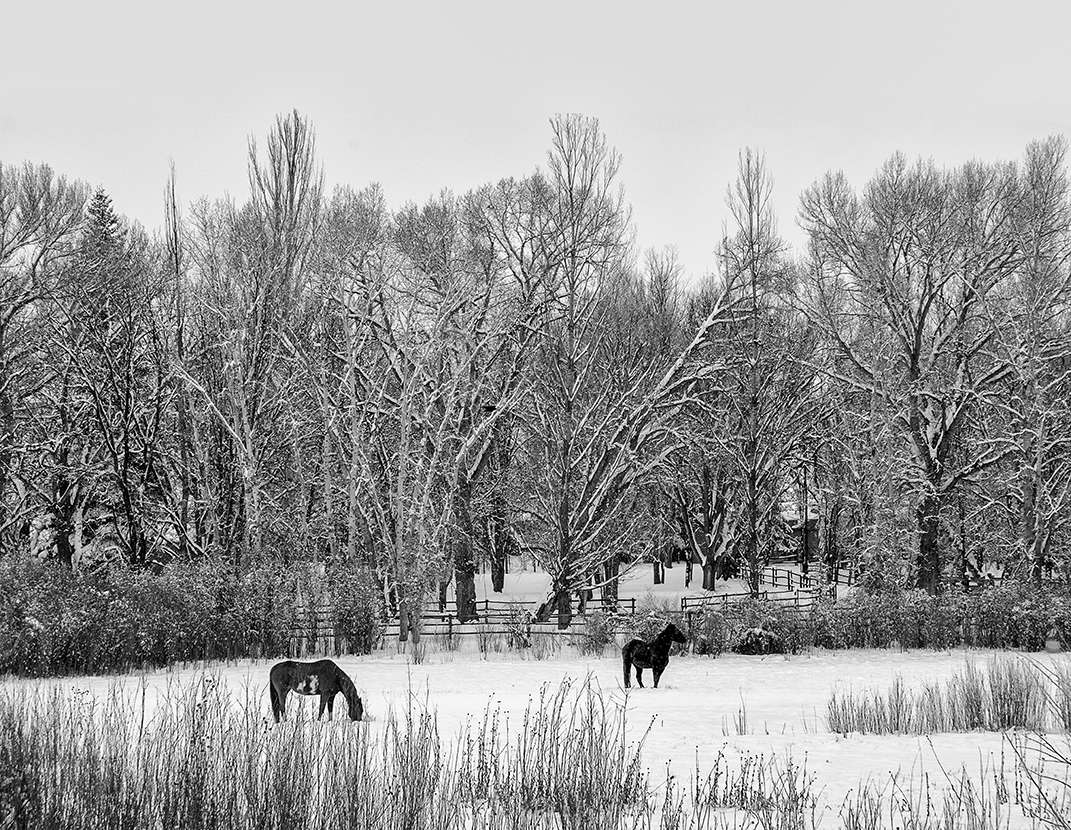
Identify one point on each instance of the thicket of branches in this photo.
(425, 391)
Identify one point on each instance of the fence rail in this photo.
(809, 581)
(494, 609)
(315, 630)
(797, 598)
(486, 611)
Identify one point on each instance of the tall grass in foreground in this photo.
(202, 760)
(1008, 693)
(1020, 697)
(968, 804)
(1043, 763)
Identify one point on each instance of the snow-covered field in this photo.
(734, 704)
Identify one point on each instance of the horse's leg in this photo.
(283, 692)
(276, 707)
(323, 705)
(331, 706)
(639, 675)
(657, 673)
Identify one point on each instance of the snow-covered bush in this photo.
(793, 630)
(759, 641)
(710, 632)
(831, 628)
(54, 621)
(597, 633)
(715, 630)
(358, 606)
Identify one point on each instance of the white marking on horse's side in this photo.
(312, 684)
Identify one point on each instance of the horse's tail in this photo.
(626, 663)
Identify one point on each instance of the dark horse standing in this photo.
(322, 678)
(652, 655)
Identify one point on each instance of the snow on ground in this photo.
(692, 713)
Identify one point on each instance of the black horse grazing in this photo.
(322, 678)
(652, 655)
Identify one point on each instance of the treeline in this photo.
(313, 376)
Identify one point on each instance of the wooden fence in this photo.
(315, 632)
(796, 600)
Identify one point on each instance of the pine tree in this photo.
(110, 389)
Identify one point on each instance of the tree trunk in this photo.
(964, 545)
(251, 526)
(465, 596)
(7, 444)
(327, 465)
(1029, 525)
(805, 527)
(464, 558)
(564, 603)
(499, 540)
(182, 409)
(609, 589)
(498, 529)
(929, 556)
(710, 568)
(498, 570)
(831, 552)
(409, 615)
(77, 525)
(64, 551)
(415, 618)
(355, 437)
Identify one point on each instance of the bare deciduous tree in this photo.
(40, 214)
(253, 265)
(1034, 334)
(900, 278)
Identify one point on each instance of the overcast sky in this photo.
(426, 96)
